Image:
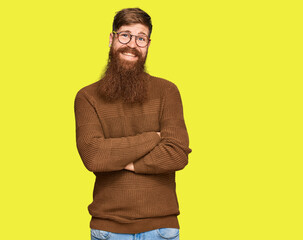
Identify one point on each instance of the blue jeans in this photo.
(157, 234)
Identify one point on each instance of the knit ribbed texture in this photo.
(111, 135)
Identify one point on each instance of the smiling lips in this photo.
(129, 54)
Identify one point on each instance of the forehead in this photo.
(136, 29)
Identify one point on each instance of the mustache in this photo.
(127, 49)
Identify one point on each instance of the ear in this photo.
(148, 43)
(111, 37)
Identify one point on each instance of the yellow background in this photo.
(238, 66)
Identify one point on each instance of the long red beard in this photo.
(123, 79)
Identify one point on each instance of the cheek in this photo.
(117, 44)
(144, 53)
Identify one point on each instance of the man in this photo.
(131, 134)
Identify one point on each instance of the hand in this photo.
(159, 133)
(130, 167)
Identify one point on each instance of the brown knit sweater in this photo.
(111, 135)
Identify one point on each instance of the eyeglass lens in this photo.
(125, 37)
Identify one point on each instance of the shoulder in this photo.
(167, 90)
(161, 84)
(89, 91)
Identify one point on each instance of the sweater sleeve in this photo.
(171, 153)
(100, 154)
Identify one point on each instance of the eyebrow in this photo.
(138, 33)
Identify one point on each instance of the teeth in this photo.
(129, 54)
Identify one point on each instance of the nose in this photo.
(132, 43)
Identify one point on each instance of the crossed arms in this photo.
(145, 153)
(131, 166)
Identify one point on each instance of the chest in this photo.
(121, 120)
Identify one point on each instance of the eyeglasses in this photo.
(125, 37)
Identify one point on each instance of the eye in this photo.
(124, 35)
(142, 39)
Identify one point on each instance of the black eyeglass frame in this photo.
(131, 36)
